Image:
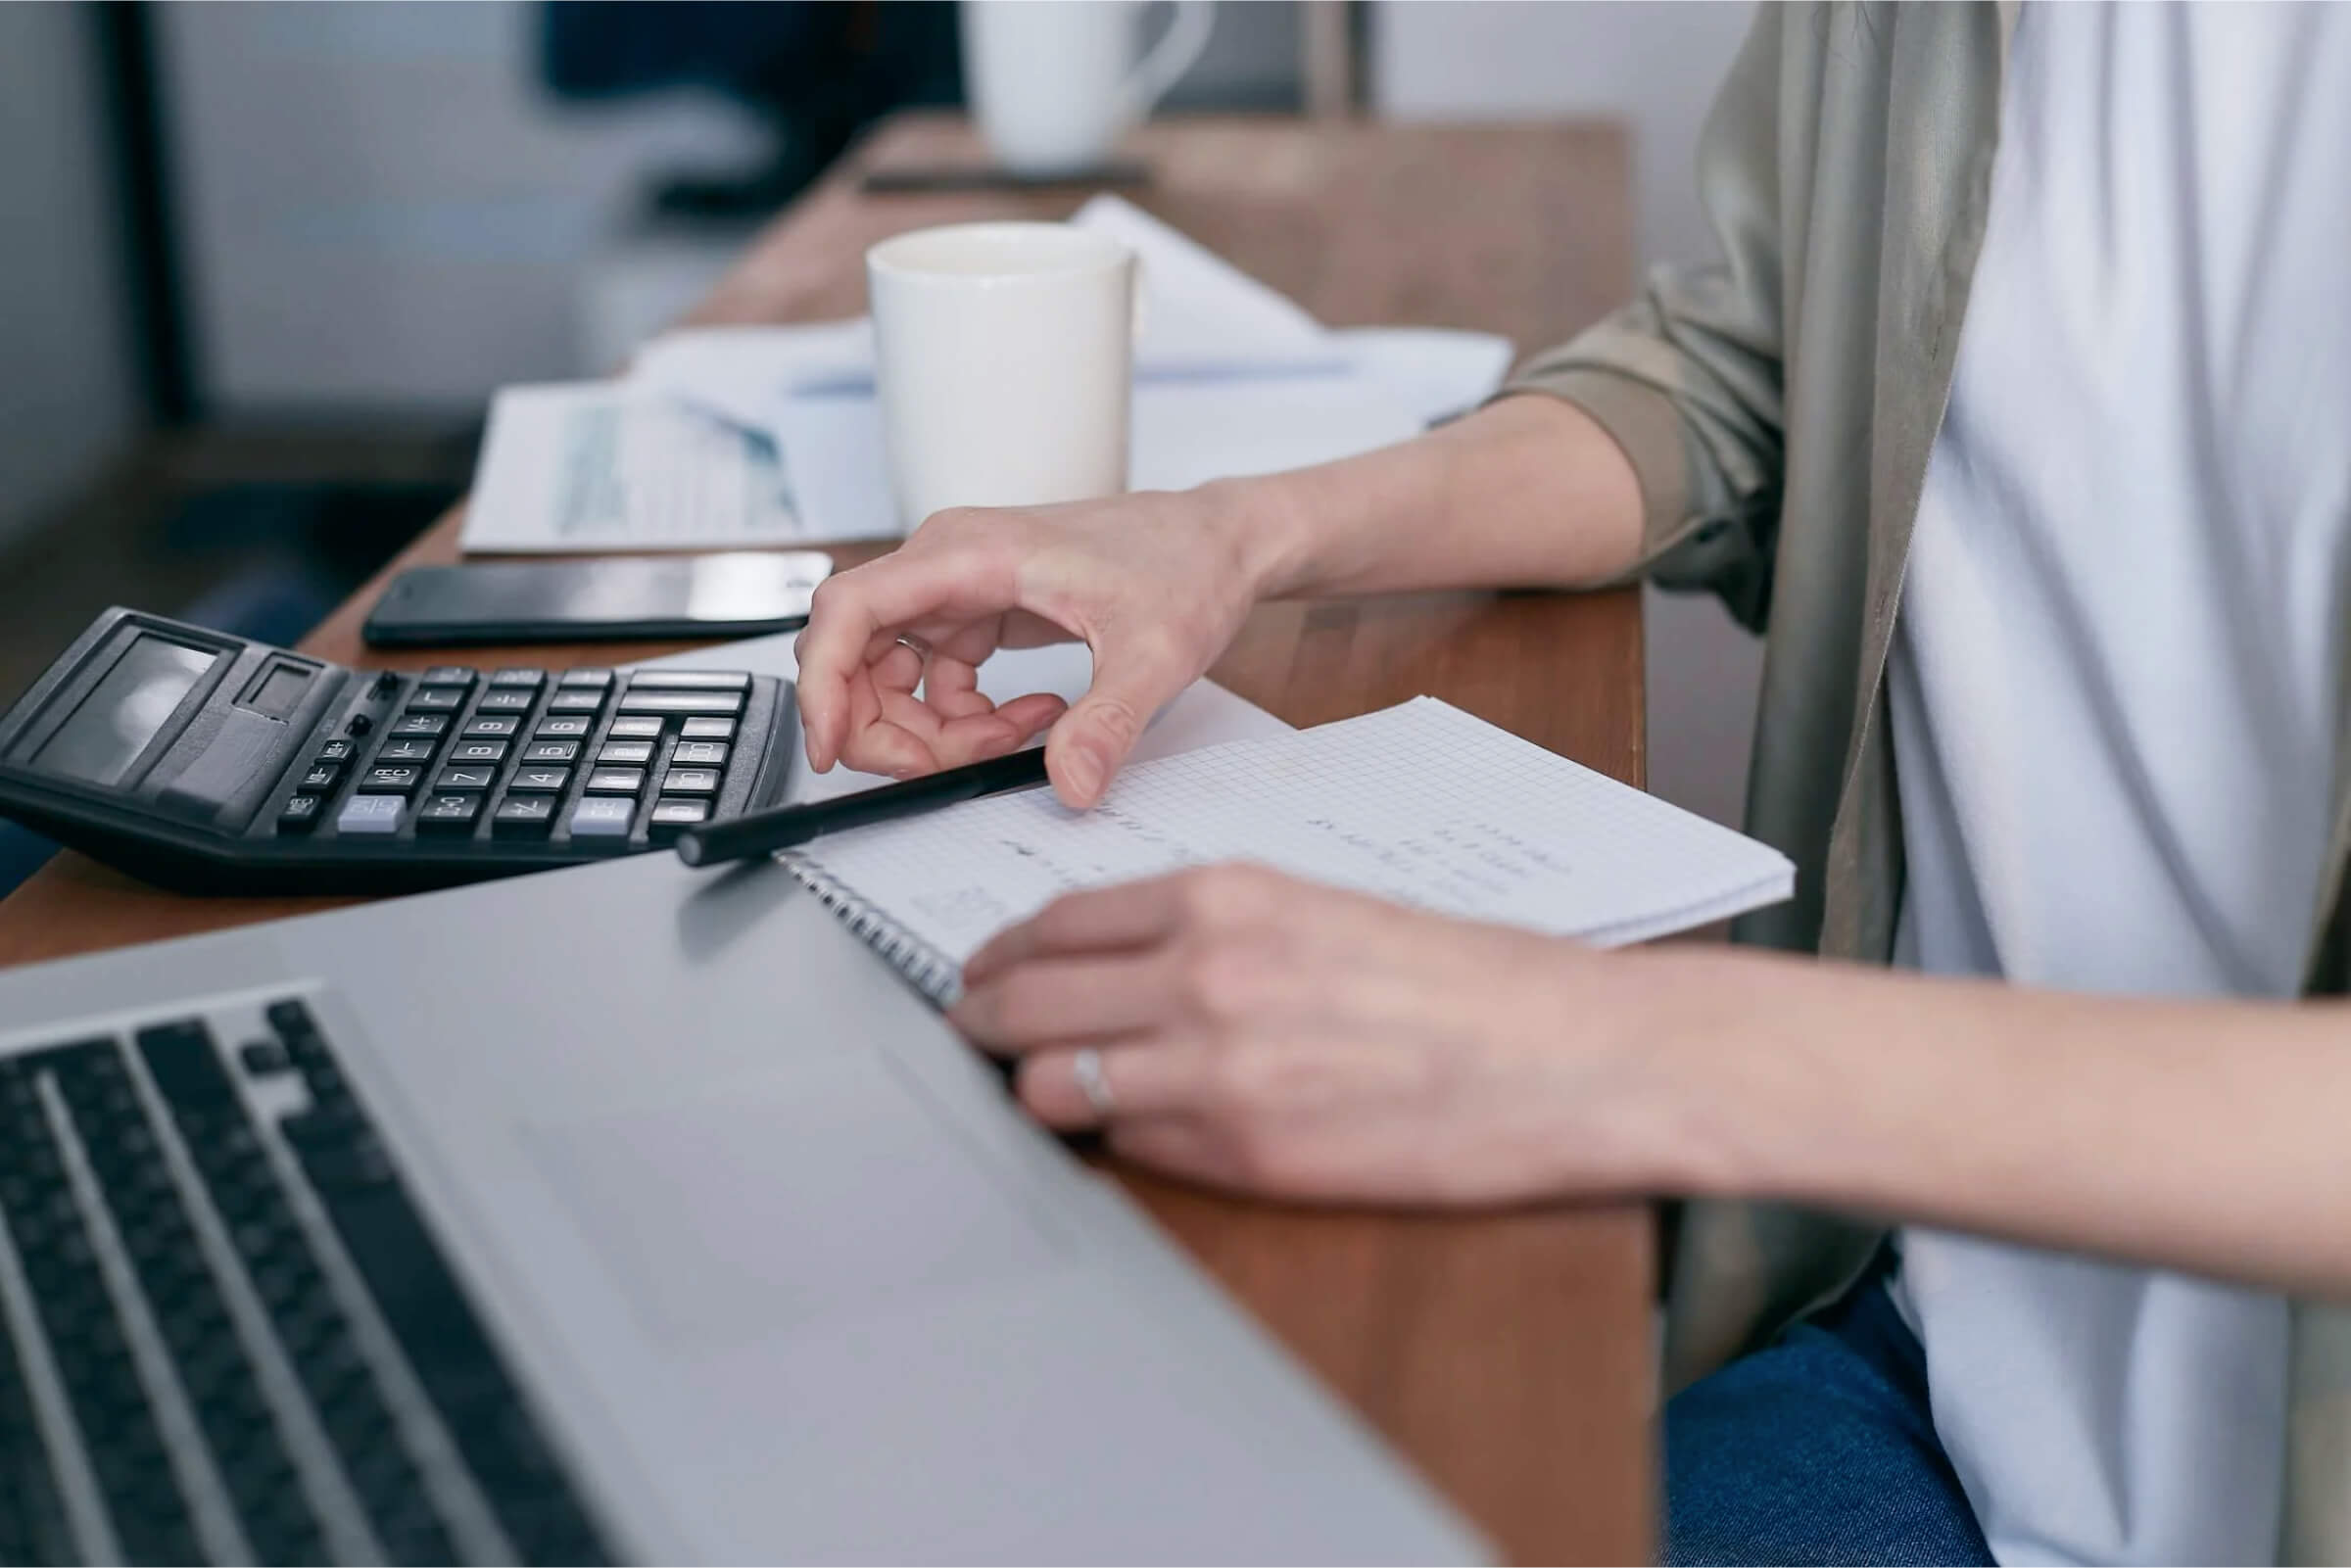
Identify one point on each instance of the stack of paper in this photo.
(730, 436)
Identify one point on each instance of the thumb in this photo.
(1091, 741)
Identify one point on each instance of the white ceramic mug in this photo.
(1005, 357)
(1054, 83)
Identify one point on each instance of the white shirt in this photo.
(2115, 688)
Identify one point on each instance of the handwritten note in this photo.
(1421, 803)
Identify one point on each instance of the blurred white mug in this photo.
(1054, 85)
(1004, 357)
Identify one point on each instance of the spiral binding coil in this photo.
(930, 971)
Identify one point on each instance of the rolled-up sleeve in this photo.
(1688, 379)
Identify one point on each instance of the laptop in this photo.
(620, 1212)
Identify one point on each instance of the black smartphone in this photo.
(739, 593)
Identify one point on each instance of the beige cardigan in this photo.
(1779, 409)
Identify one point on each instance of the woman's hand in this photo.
(1155, 584)
(1257, 1033)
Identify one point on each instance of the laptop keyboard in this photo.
(233, 1337)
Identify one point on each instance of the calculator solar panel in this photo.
(215, 764)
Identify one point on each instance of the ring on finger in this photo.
(1093, 1081)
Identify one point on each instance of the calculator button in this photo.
(422, 724)
(478, 751)
(566, 726)
(691, 781)
(586, 675)
(635, 730)
(322, 776)
(435, 699)
(534, 679)
(669, 812)
(523, 817)
(370, 814)
(506, 699)
(360, 724)
(335, 751)
(552, 751)
(465, 779)
(700, 753)
(386, 683)
(300, 815)
(539, 780)
(729, 702)
(627, 753)
(491, 726)
(706, 729)
(576, 699)
(405, 751)
(401, 776)
(691, 680)
(616, 781)
(447, 675)
(449, 813)
(603, 817)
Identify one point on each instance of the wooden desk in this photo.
(1508, 1356)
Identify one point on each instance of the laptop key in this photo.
(184, 1299)
(87, 1345)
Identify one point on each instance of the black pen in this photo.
(762, 832)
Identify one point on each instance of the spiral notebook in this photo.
(1421, 803)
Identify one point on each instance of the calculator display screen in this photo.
(124, 710)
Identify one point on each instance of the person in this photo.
(2014, 412)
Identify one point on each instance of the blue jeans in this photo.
(1818, 1449)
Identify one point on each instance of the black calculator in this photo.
(212, 764)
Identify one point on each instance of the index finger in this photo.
(850, 611)
(1096, 920)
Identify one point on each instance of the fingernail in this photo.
(1084, 771)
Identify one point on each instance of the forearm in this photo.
(1530, 491)
(2206, 1136)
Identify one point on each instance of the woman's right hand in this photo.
(1156, 584)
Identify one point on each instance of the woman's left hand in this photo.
(1249, 1030)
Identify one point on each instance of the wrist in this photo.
(1703, 1078)
(1266, 530)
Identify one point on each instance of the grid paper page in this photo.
(1421, 803)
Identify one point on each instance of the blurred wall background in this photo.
(69, 397)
